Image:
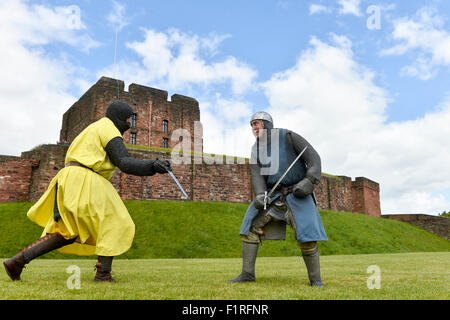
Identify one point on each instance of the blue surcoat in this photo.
(304, 210)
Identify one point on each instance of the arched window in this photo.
(165, 126)
(133, 120)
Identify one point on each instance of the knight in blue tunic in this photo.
(293, 201)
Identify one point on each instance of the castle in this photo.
(154, 121)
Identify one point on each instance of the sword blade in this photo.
(178, 183)
(285, 173)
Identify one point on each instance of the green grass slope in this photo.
(176, 229)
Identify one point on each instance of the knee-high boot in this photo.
(312, 261)
(249, 253)
(50, 242)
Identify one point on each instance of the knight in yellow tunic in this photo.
(80, 211)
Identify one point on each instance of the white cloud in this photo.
(350, 7)
(186, 62)
(426, 38)
(226, 128)
(432, 204)
(318, 8)
(178, 60)
(334, 102)
(344, 7)
(33, 88)
(40, 25)
(117, 17)
(232, 110)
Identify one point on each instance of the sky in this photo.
(367, 83)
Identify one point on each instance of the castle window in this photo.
(165, 126)
(165, 143)
(133, 138)
(133, 120)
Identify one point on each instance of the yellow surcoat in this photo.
(90, 207)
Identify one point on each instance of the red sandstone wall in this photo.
(228, 182)
(15, 178)
(366, 197)
(321, 194)
(216, 182)
(340, 193)
(437, 225)
(50, 159)
(78, 117)
(151, 107)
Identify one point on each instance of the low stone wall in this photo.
(49, 159)
(435, 224)
(27, 177)
(15, 178)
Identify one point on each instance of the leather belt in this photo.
(284, 190)
(77, 164)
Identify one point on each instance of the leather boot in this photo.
(14, 266)
(312, 262)
(51, 241)
(249, 253)
(103, 267)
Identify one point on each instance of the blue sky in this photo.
(374, 100)
(269, 36)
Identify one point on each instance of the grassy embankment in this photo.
(176, 229)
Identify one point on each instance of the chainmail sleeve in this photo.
(119, 156)
(311, 157)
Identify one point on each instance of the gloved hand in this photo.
(161, 166)
(304, 188)
(259, 201)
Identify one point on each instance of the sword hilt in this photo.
(168, 169)
(265, 199)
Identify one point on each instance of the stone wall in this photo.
(15, 178)
(202, 182)
(435, 224)
(48, 159)
(340, 193)
(334, 193)
(229, 181)
(150, 105)
(366, 197)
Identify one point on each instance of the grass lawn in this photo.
(403, 276)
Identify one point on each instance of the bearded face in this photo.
(257, 128)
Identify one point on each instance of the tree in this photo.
(445, 214)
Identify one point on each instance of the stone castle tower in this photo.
(154, 119)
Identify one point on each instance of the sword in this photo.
(268, 195)
(178, 183)
(175, 179)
